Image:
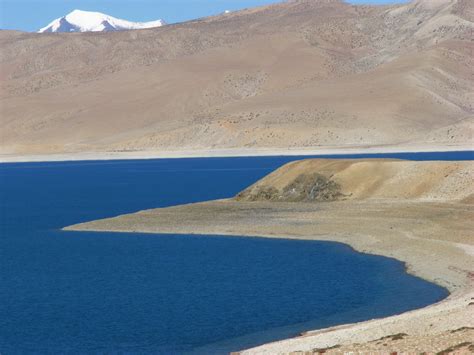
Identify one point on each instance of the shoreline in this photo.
(407, 267)
(232, 152)
(454, 295)
(452, 267)
(453, 289)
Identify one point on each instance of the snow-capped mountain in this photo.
(87, 21)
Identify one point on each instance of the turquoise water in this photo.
(63, 292)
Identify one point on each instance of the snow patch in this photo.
(88, 21)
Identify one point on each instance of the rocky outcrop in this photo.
(324, 180)
(311, 187)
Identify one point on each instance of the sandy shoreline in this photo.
(433, 239)
(237, 152)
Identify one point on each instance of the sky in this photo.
(30, 15)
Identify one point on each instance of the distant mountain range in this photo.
(87, 21)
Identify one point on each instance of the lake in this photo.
(66, 292)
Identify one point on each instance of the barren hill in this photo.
(330, 180)
(300, 74)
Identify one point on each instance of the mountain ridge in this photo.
(293, 75)
(89, 21)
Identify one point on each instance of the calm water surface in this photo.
(64, 292)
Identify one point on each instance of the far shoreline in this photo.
(231, 153)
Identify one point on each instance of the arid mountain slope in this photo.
(306, 73)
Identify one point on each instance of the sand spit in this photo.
(428, 225)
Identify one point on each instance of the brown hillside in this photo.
(306, 73)
(328, 180)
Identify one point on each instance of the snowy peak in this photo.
(87, 21)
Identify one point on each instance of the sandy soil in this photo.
(434, 237)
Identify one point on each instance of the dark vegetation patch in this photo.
(456, 347)
(305, 188)
(398, 336)
(461, 329)
(258, 193)
(323, 350)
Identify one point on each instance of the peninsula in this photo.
(418, 212)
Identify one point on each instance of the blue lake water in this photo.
(65, 292)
